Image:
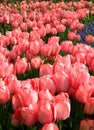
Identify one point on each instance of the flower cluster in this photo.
(39, 69)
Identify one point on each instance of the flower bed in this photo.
(46, 73)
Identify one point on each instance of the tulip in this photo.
(36, 62)
(87, 124)
(26, 115)
(46, 112)
(46, 69)
(62, 104)
(12, 83)
(46, 82)
(50, 126)
(89, 106)
(20, 66)
(4, 93)
(61, 81)
(24, 98)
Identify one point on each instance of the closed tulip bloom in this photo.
(46, 82)
(12, 83)
(62, 104)
(87, 124)
(36, 62)
(45, 95)
(20, 65)
(4, 93)
(89, 106)
(24, 98)
(61, 81)
(26, 115)
(46, 112)
(50, 126)
(46, 69)
(46, 50)
(83, 92)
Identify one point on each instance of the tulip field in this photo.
(46, 65)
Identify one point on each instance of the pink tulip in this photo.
(34, 47)
(54, 43)
(26, 115)
(35, 84)
(61, 81)
(46, 69)
(12, 83)
(62, 64)
(83, 92)
(34, 35)
(87, 124)
(89, 39)
(20, 65)
(45, 95)
(71, 35)
(62, 104)
(46, 82)
(46, 50)
(46, 112)
(4, 93)
(50, 126)
(36, 62)
(24, 98)
(66, 46)
(14, 53)
(89, 106)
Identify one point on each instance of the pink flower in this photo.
(61, 81)
(62, 104)
(45, 95)
(12, 83)
(36, 62)
(46, 82)
(50, 126)
(34, 47)
(67, 46)
(54, 43)
(24, 98)
(20, 65)
(89, 106)
(89, 39)
(83, 92)
(4, 93)
(46, 112)
(46, 50)
(26, 115)
(46, 69)
(87, 124)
